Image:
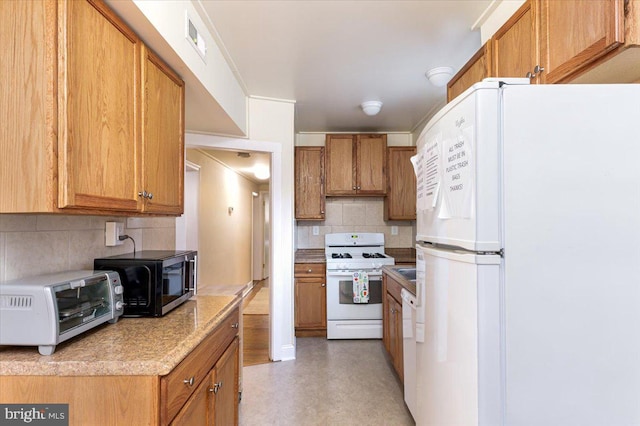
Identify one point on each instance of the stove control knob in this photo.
(118, 289)
(119, 306)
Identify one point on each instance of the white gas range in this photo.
(350, 254)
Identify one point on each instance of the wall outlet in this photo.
(316, 230)
(394, 230)
(112, 233)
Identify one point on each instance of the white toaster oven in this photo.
(46, 310)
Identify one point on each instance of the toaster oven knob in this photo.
(118, 289)
(119, 306)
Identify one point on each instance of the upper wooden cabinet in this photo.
(81, 137)
(98, 115)
(355, 164)
(553, 41)
(400, 202)
(162, 137)
(309, 183)
(477, 68)
(574, 33)
(514, 45)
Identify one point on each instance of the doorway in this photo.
(281, 328)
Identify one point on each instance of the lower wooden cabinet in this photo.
(310, 300)
(201, 390)
(215, 401)
(392, 323)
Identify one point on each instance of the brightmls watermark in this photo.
(34, 414)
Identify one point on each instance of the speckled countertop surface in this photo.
(131, 347)
(392, 273)
(402, 255)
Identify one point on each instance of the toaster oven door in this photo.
(83, 301)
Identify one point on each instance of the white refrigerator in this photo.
(528, 257)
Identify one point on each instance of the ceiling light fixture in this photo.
(371, 107)
(261, 171)
(440, 76)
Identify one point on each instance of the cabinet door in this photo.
(340, 163)
(310, 303)
(371, 164)
(396, 340)
(400, 202)
(29, 122)
(196, 411)
(98, 123)
(514, 45)
(162, 136)
(225, 385)
(476, 69)
(574, 33)
(309, 184)
(386, 314)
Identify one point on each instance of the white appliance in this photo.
(348, 254)
(528, 257)
(409, 304)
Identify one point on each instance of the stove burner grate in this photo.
(372, 255)
(340, 256)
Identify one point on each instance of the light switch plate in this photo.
(316, 230)
(394, 230)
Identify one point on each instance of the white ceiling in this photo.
(246, 166)
(330, 56)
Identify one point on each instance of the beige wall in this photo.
(348, 214)
(224, 252)
(39, 244)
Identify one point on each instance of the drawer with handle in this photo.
(309, 270)
(177, 386)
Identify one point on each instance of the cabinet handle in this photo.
(530, 75)
(324, 285)
(235, 325)
(189, 381)
(142, 194)
(354, 187)
(309, 271)
(216, 387)
(150, 196)
(538, 69)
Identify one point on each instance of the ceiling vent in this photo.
(195, 38)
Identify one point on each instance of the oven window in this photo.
(77, 306)
(346, 292)
(173, 282)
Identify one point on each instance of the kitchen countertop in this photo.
(310, 256)
(401, 255)
(392, 272)
(130, 347)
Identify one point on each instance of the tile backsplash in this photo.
(39, 244)
(354, 215)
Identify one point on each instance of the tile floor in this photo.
(332, 382)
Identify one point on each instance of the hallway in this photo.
(331, 382)
(255, 325)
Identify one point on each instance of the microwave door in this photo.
(138, 288)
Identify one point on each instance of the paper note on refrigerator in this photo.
(458, 173)
(429, 179)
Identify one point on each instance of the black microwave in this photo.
(154, 281)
